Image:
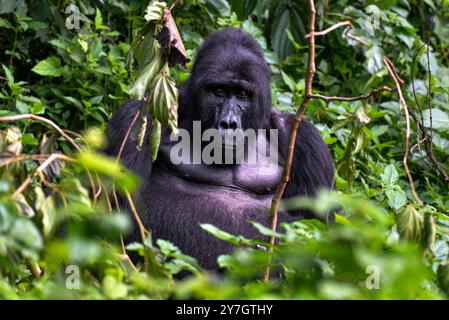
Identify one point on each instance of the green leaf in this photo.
(5, 24)
(8, 6)
(154, 139)
(22, 107)
(50, 67)
(99, 20)
(46, 207)
(375, 57)
(170, 250)
(286, 18)
(5, 218)
(243, 7)
(146, 76)
(440, 119)
(74, 101)
(396, 197)
(124, 179)
(113, 288)
(265, 230)
(26, 236)
(390, 175)
(219, 7)
(8, 74)
(410, 224)
(29, 140)
(223, 235)
(58, 43)
(288, 81)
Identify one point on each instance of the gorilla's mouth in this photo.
(232, 138)
(229, 146)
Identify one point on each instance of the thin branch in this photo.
(336, 14)
(34, 268)
(326, 31)
(142, 229)
(340, 24)
(128, 132)
(348, 99)
(174, 4)
(403, 104)
(22, 157)
(97, 194)
(425, 137)
(39, 170)
(76, 134)
(47, 121)
(429, 91)
(60, 131)
(358, 39)
(292, 135)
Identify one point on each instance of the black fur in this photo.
(173, 200)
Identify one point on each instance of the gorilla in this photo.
(228, 90)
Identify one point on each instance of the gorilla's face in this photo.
(228, 88)
(228, 103)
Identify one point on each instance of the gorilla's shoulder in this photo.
(282, 121)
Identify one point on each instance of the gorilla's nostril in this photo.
(224, 125)
(233, 125)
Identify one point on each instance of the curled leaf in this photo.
(155, 139)
(171, 42)
(410, 224)
(154, 11)
(429, 231)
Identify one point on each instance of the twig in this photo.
(174, 4)
(22, 157)
(34, 268)
(403, 104)
(128, 132)
(47, 121)
(348, 99)
(39, 170)
(60, 131)
(142, 229)
(76, 134)
(336, 14)
(353, 37)
(326, 31)
(143, 232)
(335, 26)
(429, 92)
(425, 137)
(117, 206)
(97, 194)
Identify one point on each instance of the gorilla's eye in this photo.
(243, 94)
(219, 92)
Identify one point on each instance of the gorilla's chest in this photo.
(237, 190)
(180, 197)
(176, 206)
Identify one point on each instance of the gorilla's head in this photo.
(229, 84)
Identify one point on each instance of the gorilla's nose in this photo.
(229, 123)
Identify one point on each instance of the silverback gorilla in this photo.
(228, 89)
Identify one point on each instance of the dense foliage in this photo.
(383, 245)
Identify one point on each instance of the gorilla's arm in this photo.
(139, 162)
(312, 167)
